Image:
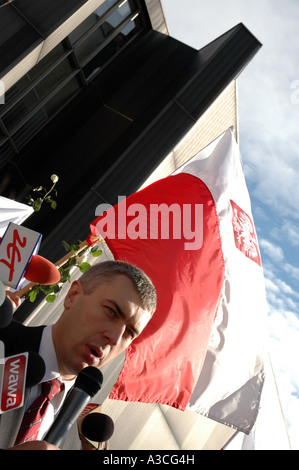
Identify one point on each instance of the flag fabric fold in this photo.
(193, 234)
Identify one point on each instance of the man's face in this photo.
(94, 328)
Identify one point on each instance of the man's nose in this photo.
(115, 334)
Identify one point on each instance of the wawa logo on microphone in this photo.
(13, 375)
(156, 221)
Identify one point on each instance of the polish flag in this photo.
(193, 234)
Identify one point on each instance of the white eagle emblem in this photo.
(244, 232)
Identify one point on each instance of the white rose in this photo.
(54, 178)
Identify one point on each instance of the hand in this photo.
(14, 298)
(35, 445)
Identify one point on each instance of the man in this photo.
(104, 311)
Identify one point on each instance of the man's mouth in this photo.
(94, 355)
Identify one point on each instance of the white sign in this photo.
(16, 249)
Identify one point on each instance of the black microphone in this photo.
(97, 427)
(36, 369)
(87, 384)
(6, 313)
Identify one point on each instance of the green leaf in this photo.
(53, 204)
(50, 298)
(74, 248)
(84, 267)
(66, 246)
(97, 253)
(46, 290)
(32, 295)
(38, 204)
(73, 261)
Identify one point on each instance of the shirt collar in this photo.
(48, 354)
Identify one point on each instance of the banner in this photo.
(193, 234)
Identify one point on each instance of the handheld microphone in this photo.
(36, 369)
(6, 308)
(6, 313)
(87, 384)
(41, 271)
(97, 427)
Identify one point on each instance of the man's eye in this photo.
(130, 333)
(111, 312)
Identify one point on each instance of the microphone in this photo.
(6, 313)
(41, 271)
(6, 308)
(97, 427)
(87, 384)
(36, 369)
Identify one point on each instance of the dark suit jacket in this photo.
(17, 339)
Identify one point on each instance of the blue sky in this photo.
(268, 95)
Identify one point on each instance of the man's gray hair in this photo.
(103, 271)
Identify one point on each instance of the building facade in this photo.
(99, 93)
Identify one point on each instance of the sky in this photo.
(268, 104)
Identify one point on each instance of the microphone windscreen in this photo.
(42, 271)
(6, 313)
(89, 379)
(97, 427)
(36, 369)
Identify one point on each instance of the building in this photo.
(99, 93)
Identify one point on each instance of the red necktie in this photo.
(35, 414)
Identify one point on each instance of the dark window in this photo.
(104, 34)
(59, 76)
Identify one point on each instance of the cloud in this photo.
(275, 252)
(290, 231)
(287, 232)
(284, 350)
(268, 120)
(292, 270)
(283, 345)
(272, 173)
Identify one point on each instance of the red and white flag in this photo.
(193, 234)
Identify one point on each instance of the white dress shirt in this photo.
(47, 352)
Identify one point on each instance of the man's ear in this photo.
(72, 294)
